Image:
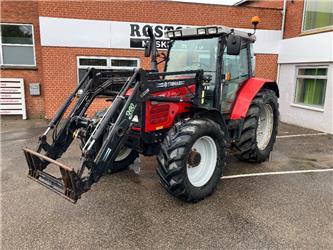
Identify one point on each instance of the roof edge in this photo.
(240, 2)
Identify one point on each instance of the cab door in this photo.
(236, 69)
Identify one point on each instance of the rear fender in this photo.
(246, 94)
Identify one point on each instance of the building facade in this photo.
(305, 61)
(53, 42)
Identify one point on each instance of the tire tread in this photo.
(173, 180)
(247, 142)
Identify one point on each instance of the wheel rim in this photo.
(201, 173)
(265, 127)
(123, 153)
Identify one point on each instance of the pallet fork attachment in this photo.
(69, 187)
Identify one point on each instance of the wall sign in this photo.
(12, 99)
(139, 34)
(135, 35)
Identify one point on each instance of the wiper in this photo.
(166, 57)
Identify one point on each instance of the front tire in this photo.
(192, 159)
(125, 158)
(260, 128)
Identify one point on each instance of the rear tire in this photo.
(260, 128)
(182, 172)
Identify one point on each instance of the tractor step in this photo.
(69, 186)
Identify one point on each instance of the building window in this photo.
(311, 86)
(317, 14)
(17, 45)
(124, 63)
(116, 65)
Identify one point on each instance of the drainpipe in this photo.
(282, 32)
(283, 16)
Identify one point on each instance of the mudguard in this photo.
(248, 91)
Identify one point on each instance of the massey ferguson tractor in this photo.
(205, 104)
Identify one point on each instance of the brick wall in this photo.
(293, 21)
(162, 11)
(266, 66)
(26, 12)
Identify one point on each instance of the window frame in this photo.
(304, 31)
(297, 76)
(19, 45)
(124, 58)
(108, 63)
(198, 38)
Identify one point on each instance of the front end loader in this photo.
(206, 103)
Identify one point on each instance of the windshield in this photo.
(193, 55)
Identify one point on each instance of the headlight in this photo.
(212, 30)
(201, 31)
(178, 33)
(170, 34)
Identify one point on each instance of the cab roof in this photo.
(207, 31)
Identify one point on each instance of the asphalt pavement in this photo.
(130, 211)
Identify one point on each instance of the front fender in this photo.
(214, 115)
(246, 94)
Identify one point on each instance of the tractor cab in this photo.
(224, 55)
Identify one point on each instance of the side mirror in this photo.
(233, 45)
(150, 32)
(148, 49)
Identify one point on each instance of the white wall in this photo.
(314, 119)
(69, 32)
(310, 48)
(65, 32)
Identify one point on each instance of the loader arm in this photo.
(118, 131)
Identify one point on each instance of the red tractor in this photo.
(206, 103)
